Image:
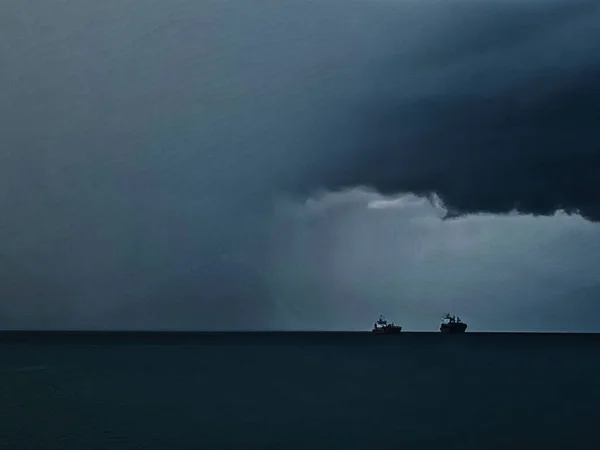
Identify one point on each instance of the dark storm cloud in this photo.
(142, 144)
(501, 112)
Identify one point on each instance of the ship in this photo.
(452, 324)
(382, 326)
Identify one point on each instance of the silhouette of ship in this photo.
(452, 324)
(382, 326)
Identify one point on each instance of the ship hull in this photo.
(390, 330)
(454, 328)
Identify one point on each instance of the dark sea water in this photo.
(299, 391)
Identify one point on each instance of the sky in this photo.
(258, 165)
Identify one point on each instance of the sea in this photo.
(294, 391)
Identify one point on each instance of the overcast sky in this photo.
(266, 165)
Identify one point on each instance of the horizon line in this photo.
(256, 332)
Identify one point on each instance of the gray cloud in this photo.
(143, 148)
(357, 254)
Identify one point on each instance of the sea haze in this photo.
(299, 391)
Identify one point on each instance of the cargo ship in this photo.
(452, 324)
(382, 326)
